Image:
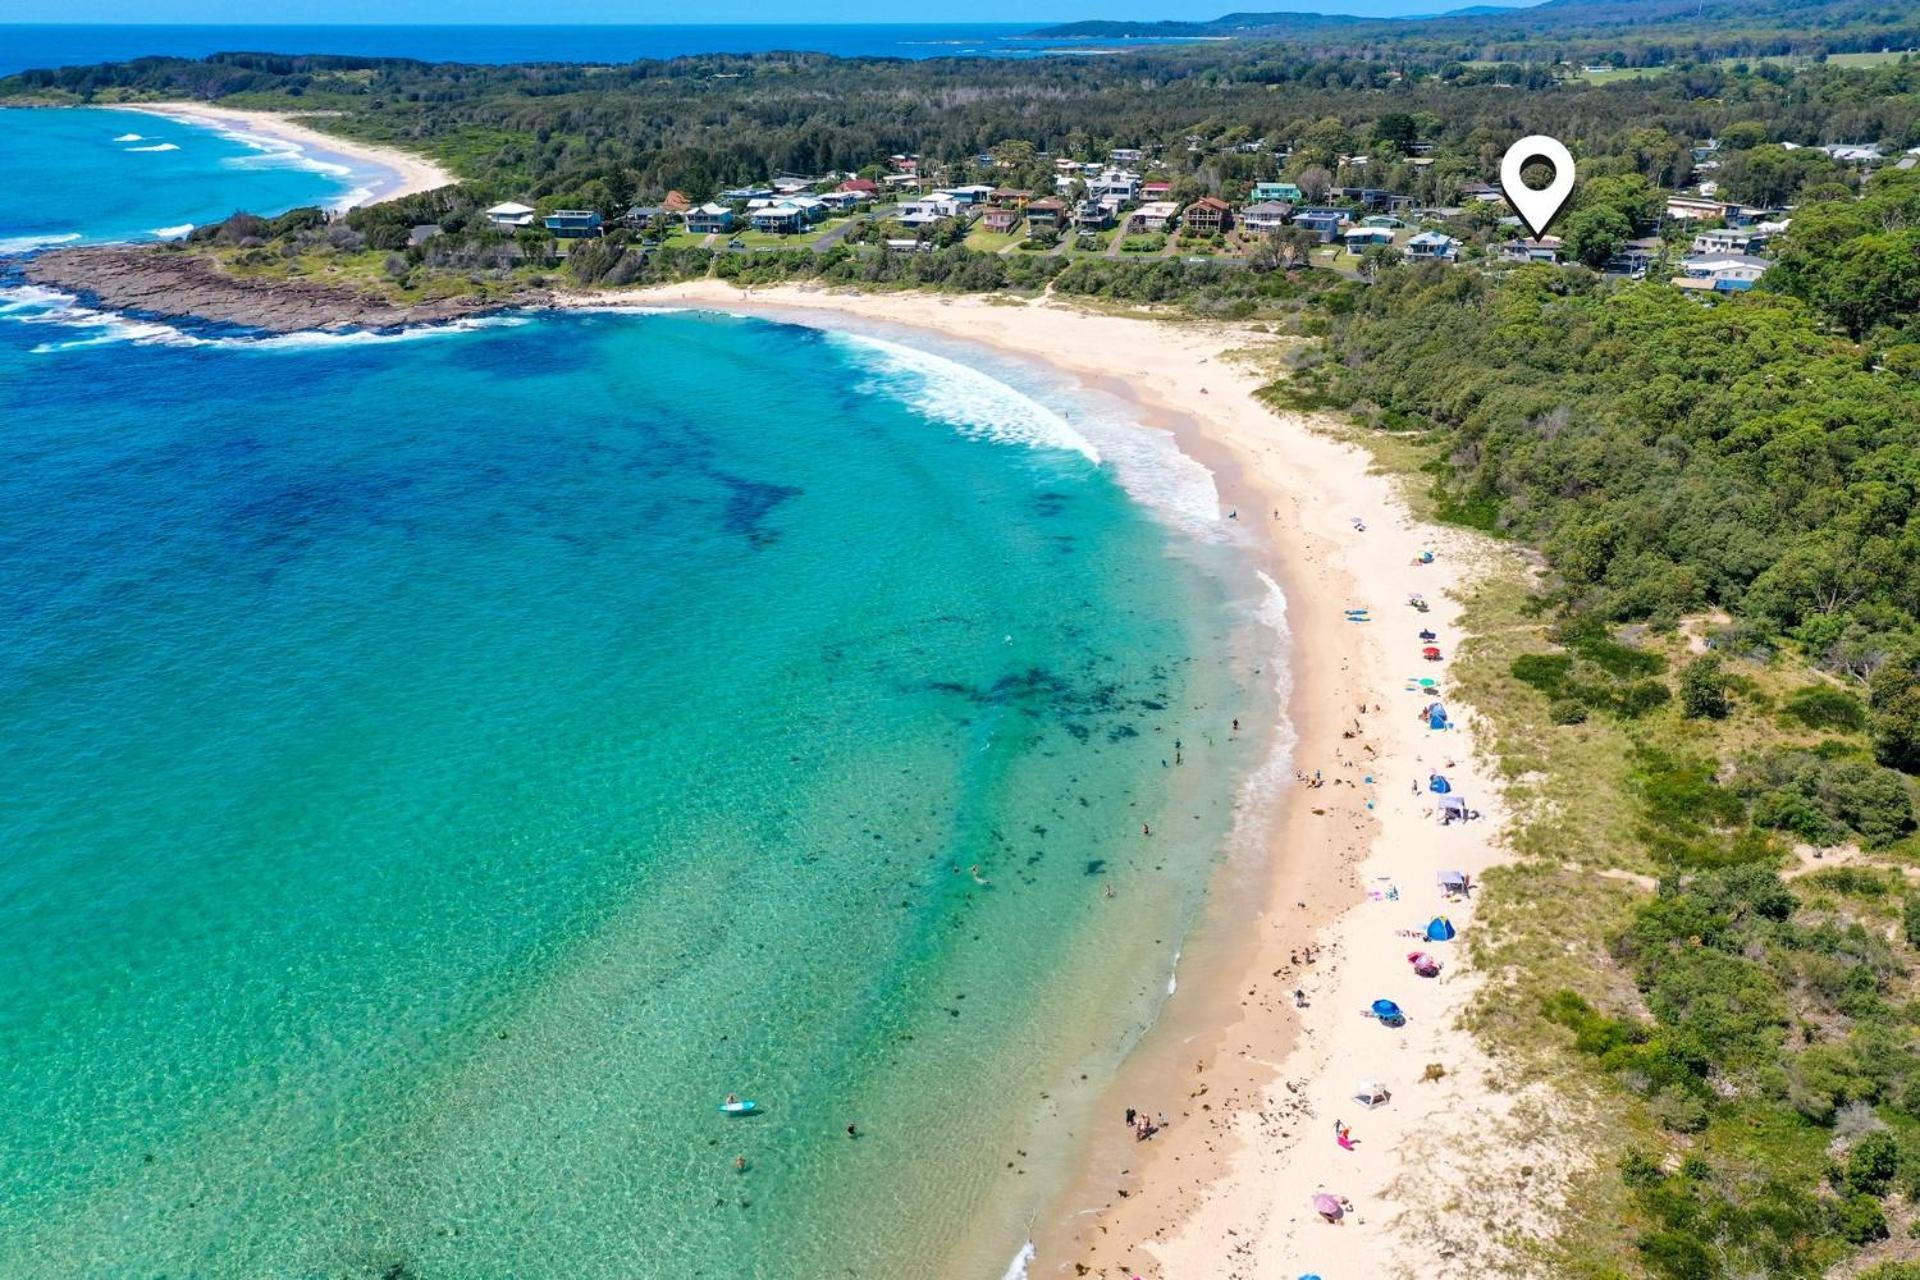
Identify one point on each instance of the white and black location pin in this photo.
(1539, 208)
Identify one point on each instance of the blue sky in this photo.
(333, 12)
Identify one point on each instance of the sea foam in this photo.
(130, 137)
(27, 244)
(30, 304)
(171, 233)
(158, 146)
(950, 392)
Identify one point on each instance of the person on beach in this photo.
(739, 1164)
(853, 1130)
(1132, 1115)
(1145, 829)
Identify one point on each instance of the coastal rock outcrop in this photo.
(176, 284)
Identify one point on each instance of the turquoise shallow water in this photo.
(99, 174)
(444, 766)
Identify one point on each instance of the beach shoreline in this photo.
(380, 173)
(1253, 1085)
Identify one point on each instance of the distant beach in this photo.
(1322, 884)
(380, 173)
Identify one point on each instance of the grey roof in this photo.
(1280, 207)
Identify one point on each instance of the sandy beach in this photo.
(1251, 1081)
(379, 173)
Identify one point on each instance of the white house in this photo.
(1721, 272)
(1155, 215)
(1115, 182)
(1268, 215)
(1729, 240)
(510, 216)
(920, 213)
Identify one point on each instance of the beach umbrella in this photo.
(1431, 653)
(1423, 964)
(1328, 1206)
(1452, 881)
(1387, 1011)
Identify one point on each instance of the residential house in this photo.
(510, 216)
(1277, 191)
(1322, 224)
(740, 195)
(1694, 209)
(1721, 272)
(1158, 189)
(902, 182)
(1122, 157)
(840, 201)
(1546, 249)
(1002, 218)
(1207, 216)
(1368, 197)
(643, 215)
(1729, 240)
(573, 224)
(1854, 152)
(924, 212)
(790, 185)
(782, 218)
(1121, 183)
(1432, 246)
(1046, 215)
(709, 219)
(1155, 215)
(965, 197)
(910, 246)
(1386, 220)
(1480, 191)
(1093, 215)
(1009, 198)
(1267, 216)
(1636, 257)
(861, 188)
(1357, 238)
(904, 164)
(676, 202)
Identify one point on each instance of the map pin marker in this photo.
(1539, 208)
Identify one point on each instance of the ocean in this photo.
(446, 764)
(94, 174)
(26, 46)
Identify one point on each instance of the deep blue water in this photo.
(26, 46)
(93, 174)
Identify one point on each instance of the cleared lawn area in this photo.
(1885, 58)
(985, 241)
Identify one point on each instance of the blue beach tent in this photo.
(1388, 1012)
(1438, 784)
(1436, 716)
(1440, 929)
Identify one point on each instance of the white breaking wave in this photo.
(285, 153)
(130, 137)
(171, 233)
(158, 146)
(1017, 1269)
(27, 244)
(950, 392)
(29, 304)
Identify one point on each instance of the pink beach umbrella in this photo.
(1329, 1207)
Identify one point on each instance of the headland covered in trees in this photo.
(1697, 406)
